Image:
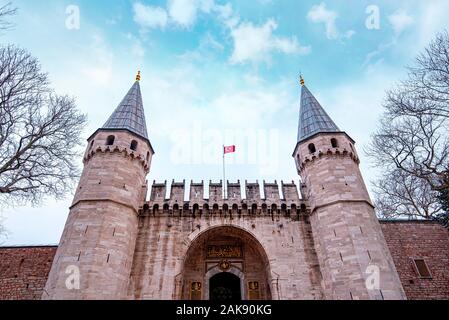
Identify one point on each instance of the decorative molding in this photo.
(115, 148)
(330, 152)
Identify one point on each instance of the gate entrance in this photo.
(225, 264)
(225, 287)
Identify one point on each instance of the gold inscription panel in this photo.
(224, 251)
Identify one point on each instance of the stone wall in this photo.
(420, 240)
(24, 271)
(164, 241)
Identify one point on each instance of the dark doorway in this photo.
(225, 287)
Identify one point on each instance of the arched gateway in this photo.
(226, 264)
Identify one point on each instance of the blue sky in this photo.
(217, 72)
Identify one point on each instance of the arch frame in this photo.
(216, 270)
(195, 239)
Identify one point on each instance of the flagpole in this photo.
(224, 174)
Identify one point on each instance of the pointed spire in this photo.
(313, 119)
(129, 114)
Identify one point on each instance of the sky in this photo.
(219, 72)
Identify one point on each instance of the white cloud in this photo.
(251, 43)
(320, 14)
(400, 20)
(349, 34)
(184, 12)
(256, 43)
(432, 20)
(149, 16)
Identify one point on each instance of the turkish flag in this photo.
(229, 149)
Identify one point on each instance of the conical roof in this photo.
(313, 119)
(129, 114)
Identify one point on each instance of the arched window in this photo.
(235, 208)
(196, 208)
(134, 145)
(254, 208)
(92, 144)
(312, 148)
(215, 208)
(148, 155)
(274, 208)
(166, 208)
(110, 140)
(334, 143)
(284, 207)
(293, 209)
(155, 208)
(225, 208)
(176, 207)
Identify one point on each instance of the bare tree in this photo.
(39, 132)
(6, 11)
(411, 145)
(399, 194)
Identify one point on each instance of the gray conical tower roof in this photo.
(129, 114)
(313, 119)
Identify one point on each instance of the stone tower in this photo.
(350, 246)
(100, 233)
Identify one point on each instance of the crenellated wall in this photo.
(250, 202)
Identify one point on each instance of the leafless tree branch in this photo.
(411, 145)
(6, 11)
(39, 132)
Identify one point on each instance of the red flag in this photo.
(229, 149)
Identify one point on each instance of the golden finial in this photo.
(138, 76)
(301, 81)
